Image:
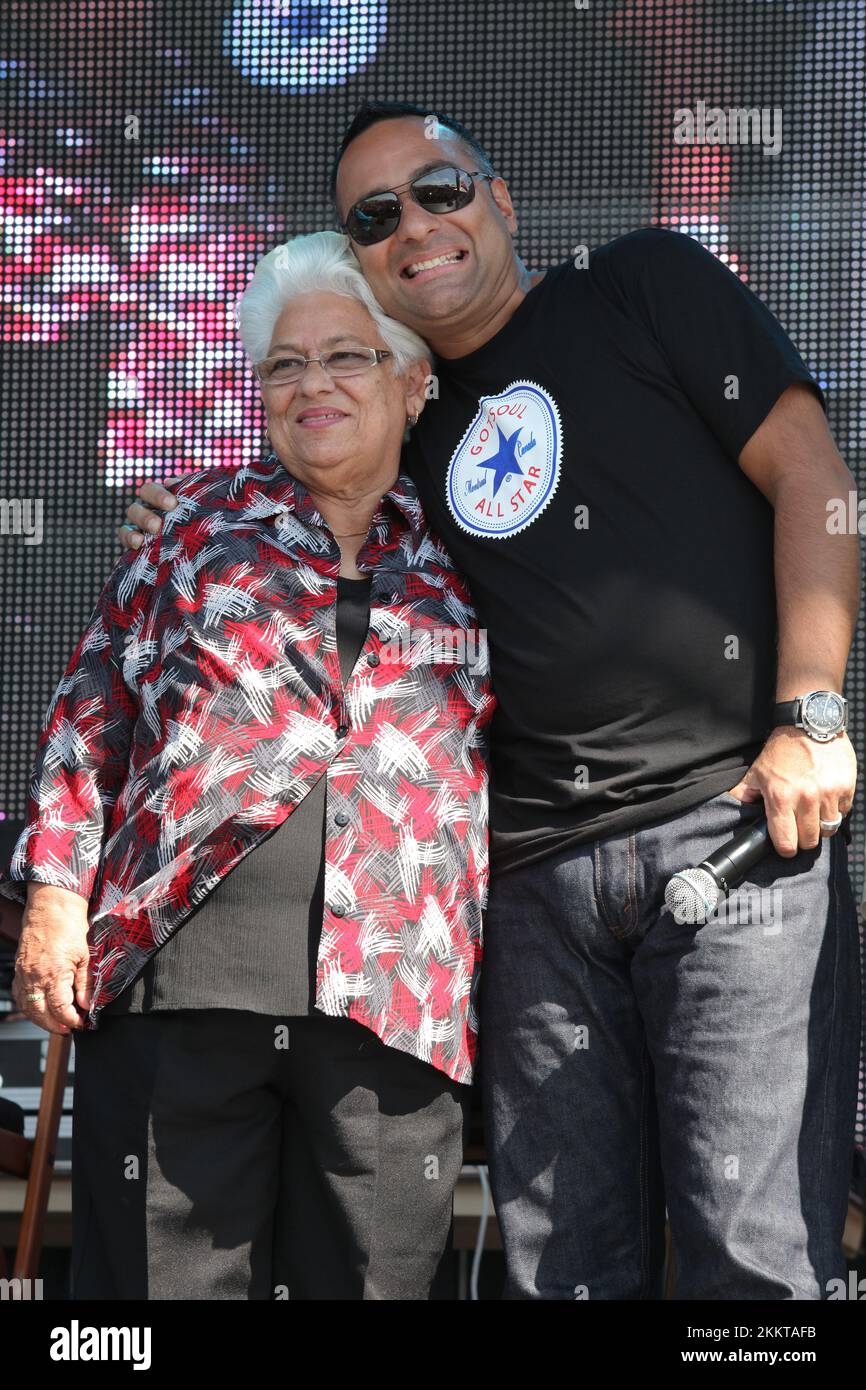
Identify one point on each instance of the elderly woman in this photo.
(256, 854)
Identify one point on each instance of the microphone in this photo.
(693, 895)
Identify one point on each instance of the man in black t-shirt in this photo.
(630, 463)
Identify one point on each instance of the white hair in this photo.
(321, 262)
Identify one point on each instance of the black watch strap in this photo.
(786, 712)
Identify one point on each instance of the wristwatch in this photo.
(822, 714)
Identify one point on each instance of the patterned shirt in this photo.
(203, 703)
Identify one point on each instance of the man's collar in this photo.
(290, 494)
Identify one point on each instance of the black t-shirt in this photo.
(581, 467)
(253, 942)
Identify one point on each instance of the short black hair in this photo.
(371, 112)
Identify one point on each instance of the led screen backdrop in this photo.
(152, 151)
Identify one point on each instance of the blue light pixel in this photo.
(302, 45)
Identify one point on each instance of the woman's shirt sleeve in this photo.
(82, 753)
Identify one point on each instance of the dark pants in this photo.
(630, 1063)
(211, 1163)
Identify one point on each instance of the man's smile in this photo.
(423, 268)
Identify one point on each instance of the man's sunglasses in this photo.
(441, 190)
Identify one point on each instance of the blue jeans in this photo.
(631, 1064)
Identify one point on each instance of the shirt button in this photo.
(372, 659)
(342, 730)
(341, 818)
(338, 911)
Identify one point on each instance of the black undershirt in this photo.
(254, 941)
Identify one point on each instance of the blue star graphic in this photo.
(503, 461)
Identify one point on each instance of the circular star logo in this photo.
(506, 467)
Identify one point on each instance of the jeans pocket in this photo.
(730, 800)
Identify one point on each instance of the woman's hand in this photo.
(53, 959)
(155, 495)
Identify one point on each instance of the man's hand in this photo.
(802, 782)
(155, 495)
(53, 958)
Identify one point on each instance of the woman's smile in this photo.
(317, 417)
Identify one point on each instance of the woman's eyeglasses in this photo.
(288, 368)
(441, 190)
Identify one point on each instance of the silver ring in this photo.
(129, 526)
(37, 994)
(831, 824)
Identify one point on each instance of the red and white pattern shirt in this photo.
(204, 701)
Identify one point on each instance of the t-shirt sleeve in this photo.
(729, 354)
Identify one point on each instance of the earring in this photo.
(413, 420)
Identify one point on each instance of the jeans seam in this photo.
(643, 1192)
(834, 916)
(373, 1224)
(621, 933)
(632, 880)
(599, 890)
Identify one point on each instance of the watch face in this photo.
(823, 710)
